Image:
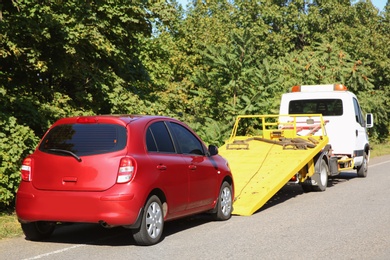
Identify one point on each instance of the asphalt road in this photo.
(350, 220)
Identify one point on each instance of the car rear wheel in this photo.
(225, 203)
(38, 230)
(152, 223)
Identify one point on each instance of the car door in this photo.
(172, 170)
(203, 174)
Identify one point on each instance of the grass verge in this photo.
(380, 149)
(10, 227)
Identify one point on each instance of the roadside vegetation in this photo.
(9, 225)
(380, 149)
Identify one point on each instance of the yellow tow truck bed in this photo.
(263, 164)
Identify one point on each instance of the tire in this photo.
(320, 178)
(363, 168)
(152, 223)
(37, 231)
(224, 205)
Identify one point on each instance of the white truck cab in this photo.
(345, 125)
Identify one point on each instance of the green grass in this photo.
(380, 149)
(10, 227)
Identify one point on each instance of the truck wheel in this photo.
(363, 168)
(320, 178)
(152, 224)
(225, 203)
(39, 230)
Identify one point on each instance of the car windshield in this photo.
(84, 139)
(326, 107)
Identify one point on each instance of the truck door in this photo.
(360, 130)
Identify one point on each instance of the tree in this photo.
(62, 58)
(363, 33)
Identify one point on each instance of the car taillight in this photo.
(126, 170)
(26, 169)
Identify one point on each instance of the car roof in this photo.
(122, 119)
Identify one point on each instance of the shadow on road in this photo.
(290, 191)
(94, 234)
(343, 177)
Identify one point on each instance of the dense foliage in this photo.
(203, 65)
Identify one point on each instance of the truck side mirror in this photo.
(369, 120)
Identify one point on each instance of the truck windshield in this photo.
(326, 107)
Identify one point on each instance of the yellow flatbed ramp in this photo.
(263, 164)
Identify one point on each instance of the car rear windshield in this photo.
(326, 107)
(84, 139)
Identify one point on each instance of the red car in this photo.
(126, 170)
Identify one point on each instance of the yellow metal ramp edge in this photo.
(262, 167)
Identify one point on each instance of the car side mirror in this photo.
(213, 150)
(369, 120)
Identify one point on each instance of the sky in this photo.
(380, 4)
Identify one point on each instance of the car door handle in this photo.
(192, 167)
(161, 167)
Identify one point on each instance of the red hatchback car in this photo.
(121, 170)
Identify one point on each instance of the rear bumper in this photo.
(111, 207)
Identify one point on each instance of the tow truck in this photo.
(319, 132)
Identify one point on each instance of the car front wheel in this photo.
(152, 223)
(39, 230)
(225, 203)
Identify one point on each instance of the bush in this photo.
(16, 142)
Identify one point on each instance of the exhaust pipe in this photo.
(104, 224)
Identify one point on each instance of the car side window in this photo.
(187, 142)
(158, 139)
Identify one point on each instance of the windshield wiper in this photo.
(67, 152)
